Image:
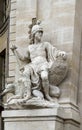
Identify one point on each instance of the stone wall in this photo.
(60, 20)
(12, 38)
(78, 52)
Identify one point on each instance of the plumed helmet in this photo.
(36, 28)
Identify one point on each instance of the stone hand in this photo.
(63, 55)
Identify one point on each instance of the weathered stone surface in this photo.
(45, 68)
(64, 31)
(45, 119)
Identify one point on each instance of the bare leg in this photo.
(45, 84)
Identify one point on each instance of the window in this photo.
(4, 11)
(2, 70)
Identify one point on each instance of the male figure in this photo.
(40, 55)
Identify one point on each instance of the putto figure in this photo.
(43, 62)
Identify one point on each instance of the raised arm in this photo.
(22, 54)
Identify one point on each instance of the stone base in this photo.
(39, 119)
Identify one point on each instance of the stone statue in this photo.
(46, 68)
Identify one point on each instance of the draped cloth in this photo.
(41, 56)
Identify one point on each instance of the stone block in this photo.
(13, 13)
(13, 6)
(42, 119)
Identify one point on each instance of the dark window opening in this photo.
(2, 83)
(4, 11)
(2, 70)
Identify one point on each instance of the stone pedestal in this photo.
(41, 119)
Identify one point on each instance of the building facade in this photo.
(62, 22)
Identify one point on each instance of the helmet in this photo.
(36, 28)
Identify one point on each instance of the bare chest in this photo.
(37, 50)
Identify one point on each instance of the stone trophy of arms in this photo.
(40, 77)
